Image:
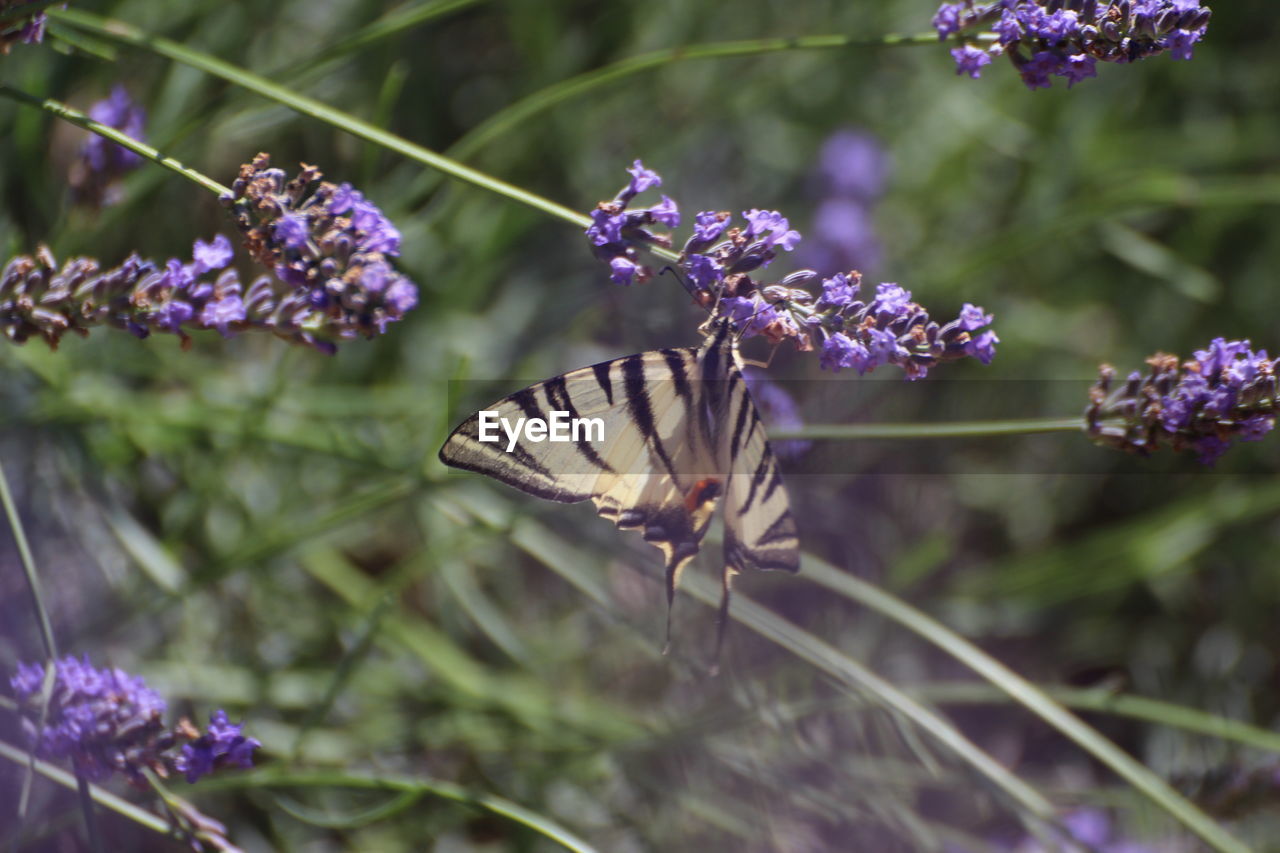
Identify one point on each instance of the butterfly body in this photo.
(681, 436)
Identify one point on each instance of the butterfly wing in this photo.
(759, 530)
(649, 471)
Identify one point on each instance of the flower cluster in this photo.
(39, 299)
(720, 258)
(1228, 392)
(1066, 38)
(851, 173)
(102, 163)
(326, 242)
(106, 721)
(18, 26)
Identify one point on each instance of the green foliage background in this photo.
(268, 530)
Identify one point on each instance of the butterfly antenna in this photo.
(684, 282)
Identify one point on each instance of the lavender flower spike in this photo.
(329, 245)
(106, 721)
(1053, 38)
(1227, 392)
(95, 175)
(720, 262)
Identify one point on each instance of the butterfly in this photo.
(680, 434)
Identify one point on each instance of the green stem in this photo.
(68, 780)
(506, 119)
(79, 119)
(29, 567)
(126, 34)
(1021, 691)
(958, 429)
(436, 787)
(1105, 701)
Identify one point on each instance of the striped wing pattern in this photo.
(680, 433)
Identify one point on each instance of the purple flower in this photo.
(722, 264)
(709, 225)
(983, 347)
(891, 299)
(291, 231)
(623, 270)
(705, 272)
(973, 318)
(94, 176)
(606, 226)
(970, 60)
(840, 351)
(853, 163)
(1078, 67)
(947, 20)
(222, 313)
(223, 744)
(839, 291)
(328, 244)
(104, 721)
(210, 256)
(642, 178)
(1228, 392)
(1008, 28)
(665, 212)
(375, 231)
(1069, 41)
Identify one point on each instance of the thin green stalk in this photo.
(29, 568)
(79, 119)
(393, 23)
(505, 120)
(956, 429)
(68, 780)
(87, 813)
(437, 787)
(1105, 701)
(51, 658)
(542, 546)
(1023, 692)
(126, 34)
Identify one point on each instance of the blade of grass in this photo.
(527, 534)
(541, 824)
(107, 799)
(1109, 702)
(126, 34)
(1030, 697)
(508, 118)
(957, 429)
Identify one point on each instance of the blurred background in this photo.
(266, 529)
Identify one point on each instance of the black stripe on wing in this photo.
(519, 469)
(557, 392)
(641, 408)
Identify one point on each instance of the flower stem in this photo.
(505, 120)
(959, 429)
(79, 119)
(29, 568)
(126, 34)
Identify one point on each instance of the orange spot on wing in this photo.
(702, 492)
